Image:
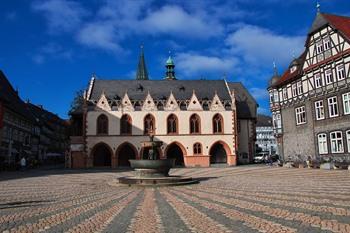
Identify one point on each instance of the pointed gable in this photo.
(126, 103)
(171, 103)
(148, 104)
(216, 104)
(194, 104)
(103, 103)
(341, 23)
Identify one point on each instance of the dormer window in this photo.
(293, 68)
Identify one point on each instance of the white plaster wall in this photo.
(206, 138)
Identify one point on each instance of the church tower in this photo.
(170, 69)
(142, 73)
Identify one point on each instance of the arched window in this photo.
(172, 124)
(149, 124)
(102, 124)
(195, 124)
(197, 148)
(217, 124)
(125, 124)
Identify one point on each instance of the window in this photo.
(172, 124)
(197, 148)
(322, 144)
(319, 109)
(275, 96)
(346, 103)
(217, 124)
(300, 88)
(337, 142)
(148, 124)
(294, 90)
(194, 124)
(340, 72)
(326, 43)
(348, 139)
(102, 124)
(318, 80)
(329, 76)
(285, 94)
(333, 106)
(300, 115)
(319, 47)
(125, 124)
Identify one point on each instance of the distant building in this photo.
(201, 122)
(310, 102)
(265, 138)
(50, 133)
(16, 124)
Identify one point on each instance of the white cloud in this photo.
(175, 21)
(261, 46)
(61, 15)
(99, 35)
(195, 64)
(51, 51)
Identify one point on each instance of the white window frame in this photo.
(319, 47)
(333, 110)
(319, 110)
(329, 76)
(300, 88)
(340, 72)
(348, 139)
(294, 90)
(337, 145)
(346, 103)
(300, 115)
(285, 93)
(327, 43)
(275, 96)
(322, 144)
(318, 80)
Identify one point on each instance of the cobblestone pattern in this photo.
(240, 199)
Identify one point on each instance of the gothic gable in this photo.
(102, 103)
(126, 103)
(171, 104)
(149, 104)
(194, 104)
(216, 104)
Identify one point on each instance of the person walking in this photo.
(23, 163)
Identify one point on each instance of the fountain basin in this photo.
(152, 168)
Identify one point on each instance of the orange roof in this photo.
(342, 23)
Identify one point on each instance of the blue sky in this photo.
(50, 48)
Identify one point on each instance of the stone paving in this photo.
(239, 199)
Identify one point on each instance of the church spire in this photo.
(170, 69)
(142, 73)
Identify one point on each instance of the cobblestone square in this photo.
(237, 199)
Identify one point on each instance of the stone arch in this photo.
(102, 155)
(124, 152)
(177, 151)
(219, 152)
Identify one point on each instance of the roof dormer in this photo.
(148, 104)
(102, 103)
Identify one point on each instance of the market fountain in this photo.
(154, 171)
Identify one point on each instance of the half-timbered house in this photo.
(310, 101)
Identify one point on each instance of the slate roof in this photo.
(11, 99)
(263, 120)
(42, 115)
(160, 89)
(245, 103)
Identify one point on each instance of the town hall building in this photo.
(200, 122)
